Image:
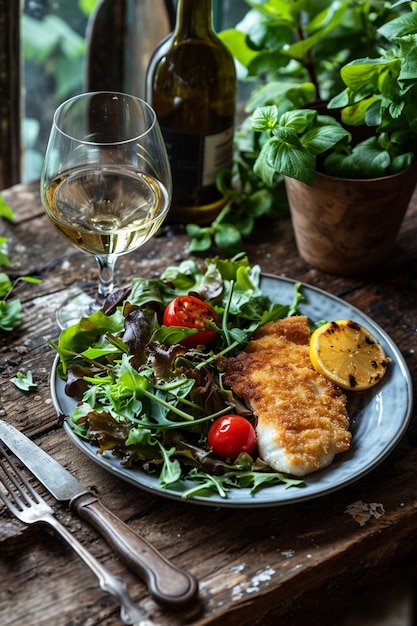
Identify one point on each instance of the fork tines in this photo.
(14, 483)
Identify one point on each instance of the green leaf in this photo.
(264, 169)
(356, 114)
(5, 210)
(398, 27)
(364, 74)
(265, 118)
(401, 162)
(194, 230)
(322, 138)
(371, 158)
(170, 335)
(341, 164)
(237, 43)
(268, 63)
(87, 6)
(285, 155)
(367, 160)
(10, 314)
(409, 62)
(99, 352)
(171, 469)
(78, 337)
(129, 379)
(227, 237)
(342, 99)
(299, 120)
(140, 435)
(200, 238)
(206, 485)
(257, 480)
(4, 259)
(373, 115)
(145, 291)
(260, 204)
(5, 285)
(389, 87)
(30, 279)
(24, 381)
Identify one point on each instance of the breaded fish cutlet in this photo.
(302, 421)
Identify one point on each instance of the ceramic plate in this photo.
(379, 417)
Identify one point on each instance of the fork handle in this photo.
(130, 613)
(168, 584)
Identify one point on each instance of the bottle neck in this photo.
(194, 18)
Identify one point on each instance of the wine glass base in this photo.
(73, 309)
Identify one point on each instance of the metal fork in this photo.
(28, 506)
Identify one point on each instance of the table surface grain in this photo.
(301, 563)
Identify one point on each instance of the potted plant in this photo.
(282, 45)
(375, 93)
(349, 218)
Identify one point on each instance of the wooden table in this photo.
(301, 563)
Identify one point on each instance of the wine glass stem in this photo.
(105, 276)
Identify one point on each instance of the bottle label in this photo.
(197, 158)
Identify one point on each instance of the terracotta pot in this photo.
(344, 226)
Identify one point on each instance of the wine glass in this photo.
(105, 183)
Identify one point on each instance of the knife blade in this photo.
(168, 584)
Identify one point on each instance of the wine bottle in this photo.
(191, 84)
(121, 37)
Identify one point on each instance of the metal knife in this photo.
(168, 584)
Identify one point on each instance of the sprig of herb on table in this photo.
(10, 310)
(24, 381)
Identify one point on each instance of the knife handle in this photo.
(168, 584)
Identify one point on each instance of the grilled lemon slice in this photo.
(348, 355)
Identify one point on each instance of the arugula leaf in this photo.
(206, 485)
(171, 469)
(257, 480)
(253, 480)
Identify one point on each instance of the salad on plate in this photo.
(147, 371)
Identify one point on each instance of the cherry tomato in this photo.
(191, 312)
(230, 435)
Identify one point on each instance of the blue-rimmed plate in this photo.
(379, 417)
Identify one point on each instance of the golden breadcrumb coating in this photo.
(302, 420)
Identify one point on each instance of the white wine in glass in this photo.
(105, 183)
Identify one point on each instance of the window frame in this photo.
(10, 93)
